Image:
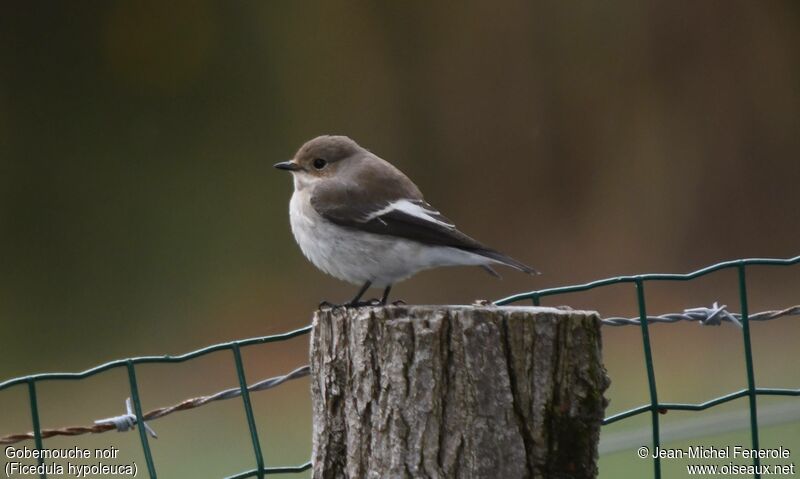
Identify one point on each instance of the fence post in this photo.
(456, 392)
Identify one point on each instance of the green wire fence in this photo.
(654, 407)
(130, 366)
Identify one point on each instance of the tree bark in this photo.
(456, 392)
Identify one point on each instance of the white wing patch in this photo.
(418, 209)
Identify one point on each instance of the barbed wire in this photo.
(713, 316)
(128, 421)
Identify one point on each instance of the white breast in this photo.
(357, 256)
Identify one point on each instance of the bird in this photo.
(359, 219)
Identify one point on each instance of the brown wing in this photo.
(380, 199)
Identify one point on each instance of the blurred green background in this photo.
(139, 213)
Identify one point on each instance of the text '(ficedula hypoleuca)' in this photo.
(361, 220)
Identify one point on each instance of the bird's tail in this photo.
(506, 260)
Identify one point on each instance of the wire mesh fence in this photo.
(129, 365)
(713, 315)
(655, 407)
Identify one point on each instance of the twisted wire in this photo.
(713, 316)
(128, 421)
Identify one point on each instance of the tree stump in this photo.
(456, 392)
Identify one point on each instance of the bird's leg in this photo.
(385, 296)
(353, 303)
(360, 293)
(356, 302)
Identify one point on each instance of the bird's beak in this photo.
(288, 165)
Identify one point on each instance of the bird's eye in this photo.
(319, 163)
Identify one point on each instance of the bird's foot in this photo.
(351, 304)
(328, 305)
(399, 302)
(361, 304)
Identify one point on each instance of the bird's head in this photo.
(320, 158)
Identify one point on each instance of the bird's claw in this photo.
(328, 305)
(351, 304)
(360, 304)
(398, 302)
